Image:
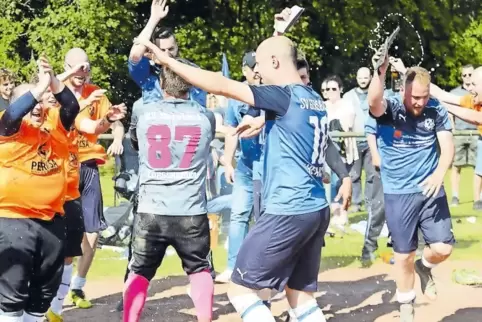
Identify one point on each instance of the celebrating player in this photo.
(33, 150)
(284, 247)
(412, 176)
(96, 118)
(173, 137)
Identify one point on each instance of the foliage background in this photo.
(334, 34)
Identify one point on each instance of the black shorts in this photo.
(91, 194)
(189, 235)
(32, 264)
(74, 222)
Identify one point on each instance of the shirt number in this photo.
(320, 138)
(159, 138)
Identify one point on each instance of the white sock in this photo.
(252, 309)
(58, 301)
(11, 316)
(309, 312)
(292, 315)
(33, 317)
(78, 283)
(427, 264)
(406, 297)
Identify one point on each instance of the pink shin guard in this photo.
(135, 295)
(202, 294)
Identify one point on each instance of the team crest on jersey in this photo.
(73, 161)
(429, 124)
(43, 165)
(91, 110)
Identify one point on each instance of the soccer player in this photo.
(33, 150)
(472, 103)
(283, 249)
(98, 116)
(412, 175)
(173, 137)
(146, 72)
(7, 83)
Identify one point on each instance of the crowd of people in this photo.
(278, 156)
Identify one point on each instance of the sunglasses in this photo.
(333, 89)
(465, 75)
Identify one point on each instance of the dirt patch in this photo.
(346, 294)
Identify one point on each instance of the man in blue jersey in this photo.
(413, 174)
(242, 177)
(283, 249)
(145, 72)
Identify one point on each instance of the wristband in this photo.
(108, 120)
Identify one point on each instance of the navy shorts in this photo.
(281, 251)
(74, 222)
(406, 213)
(257, 199)
(91, 195)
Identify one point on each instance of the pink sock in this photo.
(135, 295)
(202, 294)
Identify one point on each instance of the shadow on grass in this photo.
(343, 300)
(465, 243)
(332, 262)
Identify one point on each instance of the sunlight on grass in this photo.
(338, 252)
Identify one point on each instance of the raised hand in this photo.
(398, 64)
(116, 112)
(159, 10)
(45, 72)
(378, 56)
(283, 17)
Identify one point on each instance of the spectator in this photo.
(465, 146)
(357, 98)
(341, 117)
(7, 83)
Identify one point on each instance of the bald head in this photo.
(477, 74)
(20, 90)
(76, 56)
(276, 61)
(363, 77)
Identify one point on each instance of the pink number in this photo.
(159, 138)
(194, 134)
(159, 155)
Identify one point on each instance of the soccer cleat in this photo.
(477, 205)
(78, 298)
(120, 305)
(407, 312)
(50, 316)
(224, 277)
(426, 280)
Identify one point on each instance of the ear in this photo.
(274, 62)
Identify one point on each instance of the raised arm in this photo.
(69, 106)
(444, 96)
(159, 11)
(376, 101)
(465, 114)
(11, 119)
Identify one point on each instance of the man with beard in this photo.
(92, 121)
(145, 72)
(474, 102)
(373, 184)
(358, 97)
(7, 83)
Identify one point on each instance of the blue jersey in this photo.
(295, 149)
(408, 145)
(258, 165)
(249, 148)
(148, 80)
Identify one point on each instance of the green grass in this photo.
(339, 251)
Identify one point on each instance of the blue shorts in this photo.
(478, 164)
(406, 213)
(283, 250)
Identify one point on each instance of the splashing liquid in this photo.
(381, 34)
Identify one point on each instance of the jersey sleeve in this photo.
(467, 101)
(272, 98)
(394, 105)
(140, 71)
(230, 117)
(102, 107)
(442, 122)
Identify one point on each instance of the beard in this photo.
(364, 87)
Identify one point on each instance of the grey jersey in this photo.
(174, 139)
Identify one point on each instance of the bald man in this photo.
(283, 249)
(95, 119)
(471, 101)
